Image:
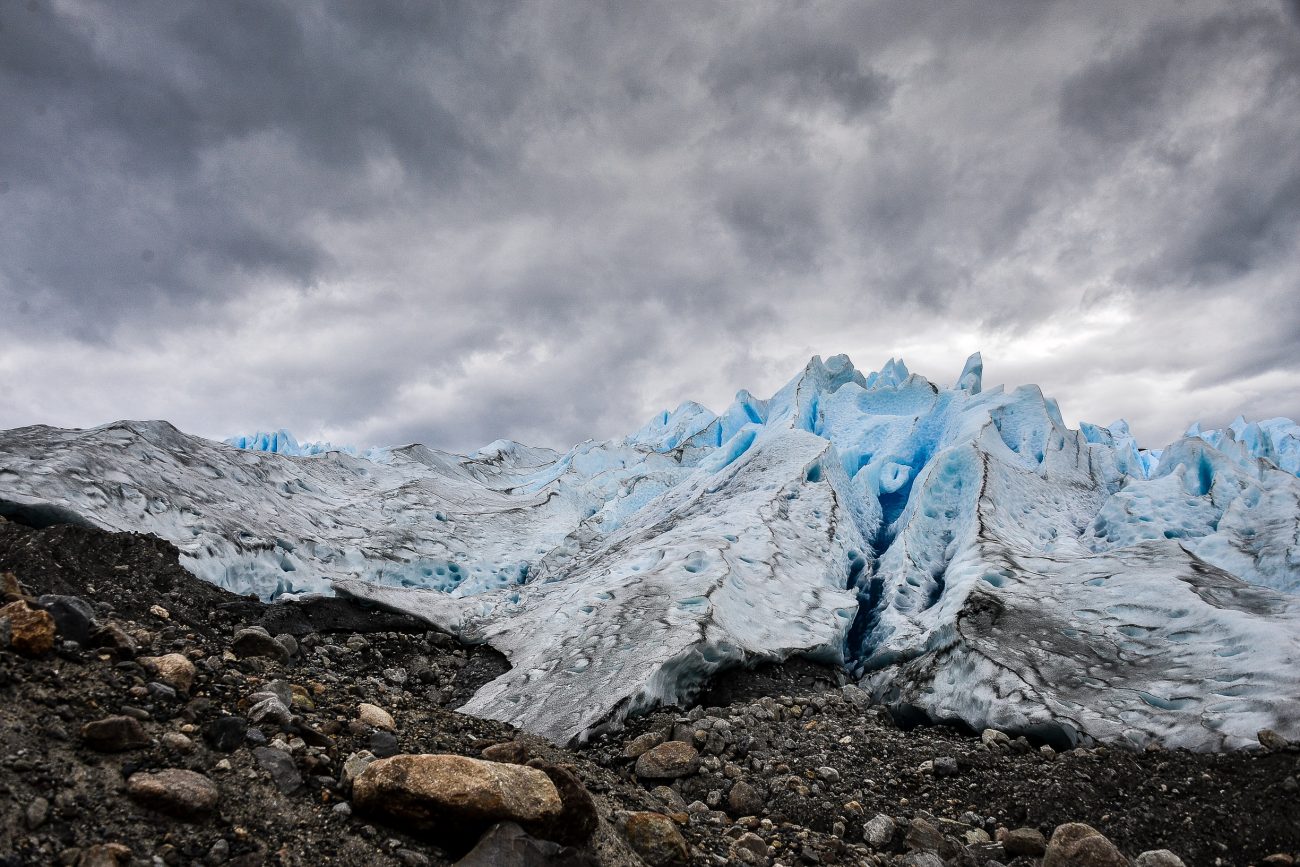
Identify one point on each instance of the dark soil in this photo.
(820, 759)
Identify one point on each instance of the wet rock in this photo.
(508, 845)
(1078, 845)
(656, 839)
(428, 789)
(288, 642)
(114, 734)
(27, 630)
(256, 641)
(172, 669)
(1028, 842)
(74, 619)
(668, 761)
(280, 765)
(1158, 858)
(180, 793)
(225, 733)
(375, 717)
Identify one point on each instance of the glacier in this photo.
(960, 551)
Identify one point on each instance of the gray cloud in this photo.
(452, 222)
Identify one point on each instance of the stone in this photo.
(74, 619)
(668, 761)
(288, 642)
(428, 789)
(353, 765)
(751, 845)
(10, 588)
(218, 852)
(1272, 741)
(172, 669)
(180, 793)
(945, 766)
(1278, 859)
(29, 630)
(37, 812)
(993, 738)
(375, 717)
(669, 797)
(177, 742)
(506, 844)
(280, 765)
(1158, 858)
(510, 752)
(225, 733)
(656, 839)
(879, 830)
(636, 747)
(115, 639)
(578, 817)
(104, 855)
(114, 734)
(160, 612)
(1078, 845)
(924, 836)
(256, 641)
(922, 859)
(1029, 842)
(745, 799)
(382, 744)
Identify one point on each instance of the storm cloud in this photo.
(453, 222)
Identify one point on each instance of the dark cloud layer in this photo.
(453, 222)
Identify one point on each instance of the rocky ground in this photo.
(149, 718)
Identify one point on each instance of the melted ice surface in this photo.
(960, 549)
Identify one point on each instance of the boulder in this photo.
(426, 790)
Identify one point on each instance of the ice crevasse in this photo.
(959, 550)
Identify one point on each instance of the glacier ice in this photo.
(959, 549)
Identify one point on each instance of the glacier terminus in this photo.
(959, 551)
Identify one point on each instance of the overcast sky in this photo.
(386, 222)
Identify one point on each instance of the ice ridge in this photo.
(959, 549)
